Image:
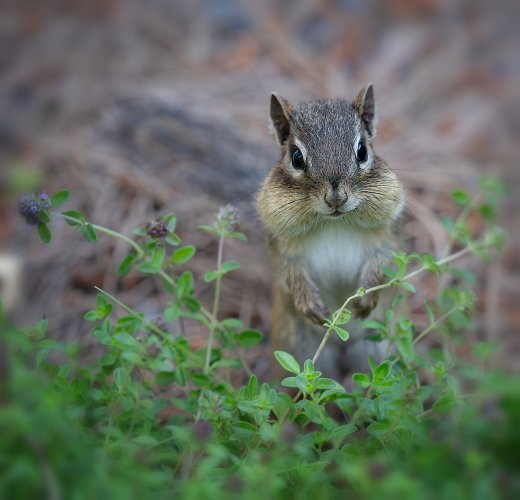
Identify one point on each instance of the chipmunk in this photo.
(330, 207)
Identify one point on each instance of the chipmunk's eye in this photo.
(361, 153)
(297, 159)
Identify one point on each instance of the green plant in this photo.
(155, 417)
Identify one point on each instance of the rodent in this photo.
(330, 207)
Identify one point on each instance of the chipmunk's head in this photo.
(328, 169)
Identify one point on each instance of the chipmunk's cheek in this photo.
(352, 202)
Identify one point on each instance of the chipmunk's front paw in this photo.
(363, 306)
(310, 305)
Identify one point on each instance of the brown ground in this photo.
(144, 109)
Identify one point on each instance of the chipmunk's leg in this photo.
(293, 333)
(371, 275)
(304, 292)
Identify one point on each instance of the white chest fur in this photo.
(334, 257)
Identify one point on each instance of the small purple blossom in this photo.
(227, 217)
(31, 205)
(157, 228)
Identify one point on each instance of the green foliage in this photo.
(154, 416)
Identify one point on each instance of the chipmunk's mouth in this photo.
(336, 213)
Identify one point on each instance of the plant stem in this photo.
(105, 230)
(417, 339)
(330, 329)
(373, 289)
(152, 326)
(460, 219)
(216, 300)
(139, 251)
(433, 325)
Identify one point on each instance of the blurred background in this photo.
(147, 107)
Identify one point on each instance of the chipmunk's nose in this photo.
(335, 197)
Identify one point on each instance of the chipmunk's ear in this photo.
(280, 111)
(365, 105)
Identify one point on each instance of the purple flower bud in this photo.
(227, 217)
(31, 205)
(202, 430)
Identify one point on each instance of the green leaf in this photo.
(168, 286)
(88, 232)
(146, 440)
(41, 327)
(303, 384)
(487, 211)
(253, 386)
(201, 379)
(92, 316)
(243, 430)
(361, 379)
(373, 324)
(76, 214)
(237, 235)
(429, 311)
(289, 382)
(338, 434)
(173, 240)
(59, 198)
(130, 322)
(229, 265)
(210, 276)
(382, 371)
(41, 356)
(430, 263)
(342, 317)
(183, 255)
(287, 361)
(140, 231)
(312, 410)
(171, 222)
(327, 383)
(406, 349)
(249, 338)
(125, 266)
(460, 198)
(267, 432)
(101, 301)
(424, 392)
(445, 403)
(147, 267)
(43, 216)
(108, 359)
(157, 258)
(121, 379)
(209, 229)
(184, 284)
(165, 378)
(44, 232)
(172, 312)
(48, 344)
(342, 333)
(308, 366)
(407, 286)
(379, 429)
(126, 339)
(232, 324)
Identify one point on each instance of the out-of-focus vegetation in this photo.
(155, 416)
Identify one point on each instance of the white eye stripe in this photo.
(299, 144)
(358, 138)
